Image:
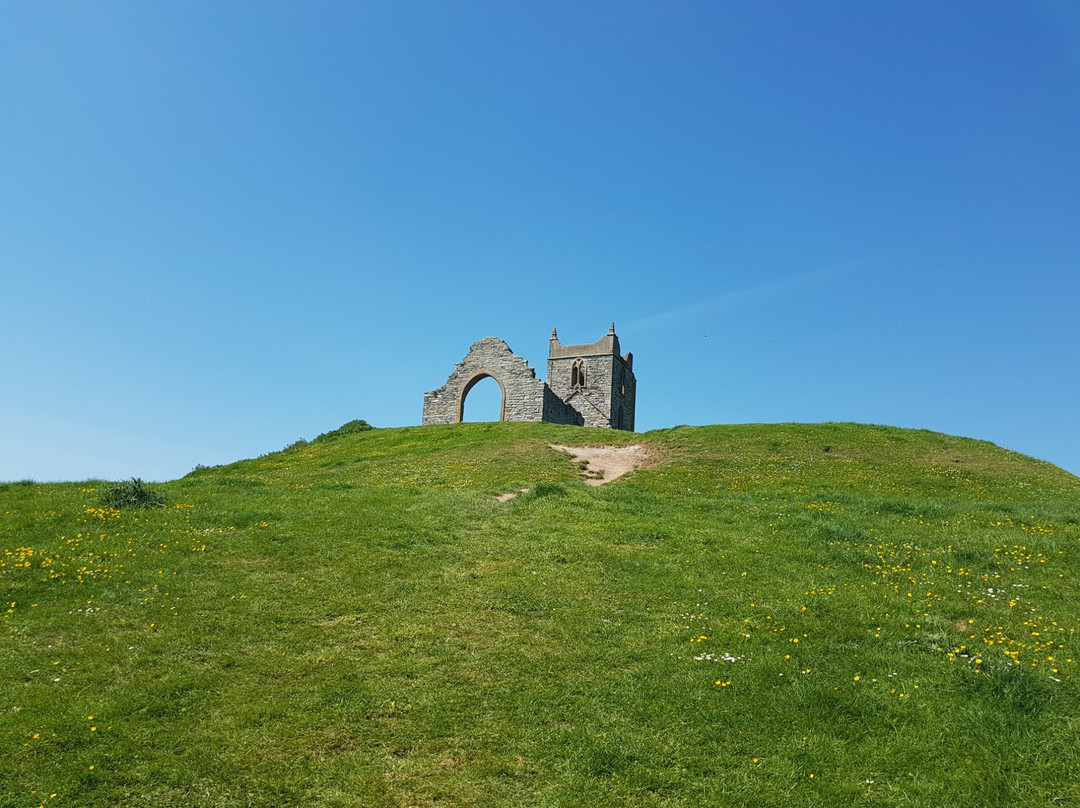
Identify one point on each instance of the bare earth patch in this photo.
(606, 463)
(509, 495)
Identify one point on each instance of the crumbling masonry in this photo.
(588, 385)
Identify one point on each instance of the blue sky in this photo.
(227, 226)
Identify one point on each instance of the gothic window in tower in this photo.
(578, 374)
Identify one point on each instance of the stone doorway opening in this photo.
(488, 401)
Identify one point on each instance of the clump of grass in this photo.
(541, 490)
(131, 493)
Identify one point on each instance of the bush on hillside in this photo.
(350, 428)
(131, 494)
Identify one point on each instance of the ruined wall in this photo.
(557, 411)
(523, 393)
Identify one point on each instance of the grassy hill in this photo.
(770, 615)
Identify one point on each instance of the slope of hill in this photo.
(768, 615)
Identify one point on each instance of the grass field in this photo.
(770, 615)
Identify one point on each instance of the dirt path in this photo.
(602, 464)
(606, 463)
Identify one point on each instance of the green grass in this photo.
(771, 615)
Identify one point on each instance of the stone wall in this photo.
(557, 411)
(624, 395)
(523, 393)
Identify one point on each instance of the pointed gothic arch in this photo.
(579, 374)
(522, 393)
(480, 375)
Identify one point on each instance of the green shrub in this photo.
(350, 428)
(131, 494)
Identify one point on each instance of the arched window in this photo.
(578, 376)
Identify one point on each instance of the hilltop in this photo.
(767, 615)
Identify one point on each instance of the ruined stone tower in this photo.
(588, 385)
(595, 380)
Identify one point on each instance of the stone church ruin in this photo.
(587, 385)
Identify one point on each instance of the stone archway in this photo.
(523, 395)
(469, 385)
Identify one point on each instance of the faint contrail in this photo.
(729, 300)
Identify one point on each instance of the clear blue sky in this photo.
(227, 226)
